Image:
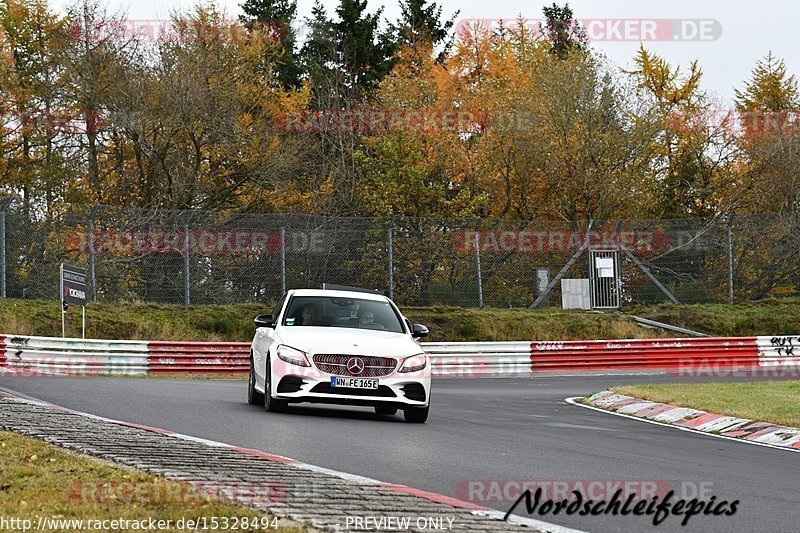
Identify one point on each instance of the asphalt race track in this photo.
(487, 429)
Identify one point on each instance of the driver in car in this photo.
(308, 315)
(366, 319)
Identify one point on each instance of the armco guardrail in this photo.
(471, 359)
(74, 356)
(475, 359)
(668, 354)
(198, 357)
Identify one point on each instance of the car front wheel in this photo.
(416, 415)
(271, 404)
(253, 396)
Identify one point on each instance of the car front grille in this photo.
(374, 367)
(382, 391)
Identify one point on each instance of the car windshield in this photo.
(339, 312)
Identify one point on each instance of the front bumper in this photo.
(300, 384)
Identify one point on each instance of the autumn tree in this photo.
(694, 143)
(768, 107)
(34, 118)
(96, 52)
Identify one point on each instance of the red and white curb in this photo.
(687, 419)
(403, 489)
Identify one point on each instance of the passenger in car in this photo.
(365, 316)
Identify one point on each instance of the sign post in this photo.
(540, 285)
(73, 291)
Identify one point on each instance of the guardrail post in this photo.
(730, 259)
(391, 262)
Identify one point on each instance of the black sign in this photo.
(73, 285)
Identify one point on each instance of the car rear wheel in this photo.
(416, 415)
(385, 410)
(253, 396)
(271, 404)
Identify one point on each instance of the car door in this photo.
(264, 341)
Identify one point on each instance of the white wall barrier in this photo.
(780, 351)
(49, 355)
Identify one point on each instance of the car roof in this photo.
(339, 294)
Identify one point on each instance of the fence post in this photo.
(391, 262)
(186, 289)
(5, 203)
(730, 259)
(2, 253)
(90, 235)
(478, 264)
(283, 257)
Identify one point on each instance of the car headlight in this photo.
(414, 363)
(292, 355)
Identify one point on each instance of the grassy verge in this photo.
(235, 322)
(765, 317)
(774, 401)
(38, 479)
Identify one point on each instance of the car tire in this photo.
(385, 410)
(253, 396)
(416, 415)
(271, 404)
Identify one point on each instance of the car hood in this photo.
(348, 341)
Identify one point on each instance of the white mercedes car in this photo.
(340, 346)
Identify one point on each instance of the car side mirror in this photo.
(418, 331)
(265, 321)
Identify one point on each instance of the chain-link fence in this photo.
(194, 257)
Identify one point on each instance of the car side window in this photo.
(278, 308)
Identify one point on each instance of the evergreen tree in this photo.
(421, 23)
(364, 55)
(563, 31)
(318, 54)
(276, 17)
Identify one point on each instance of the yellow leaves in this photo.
(668, 85)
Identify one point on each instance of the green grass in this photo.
(38, 479)
(775, 401)
(235, 322)
(457, 324)
(765, 317)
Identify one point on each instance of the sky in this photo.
(726, 37)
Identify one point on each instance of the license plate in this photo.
(355, 383)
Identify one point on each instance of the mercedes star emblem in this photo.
(355, 365)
